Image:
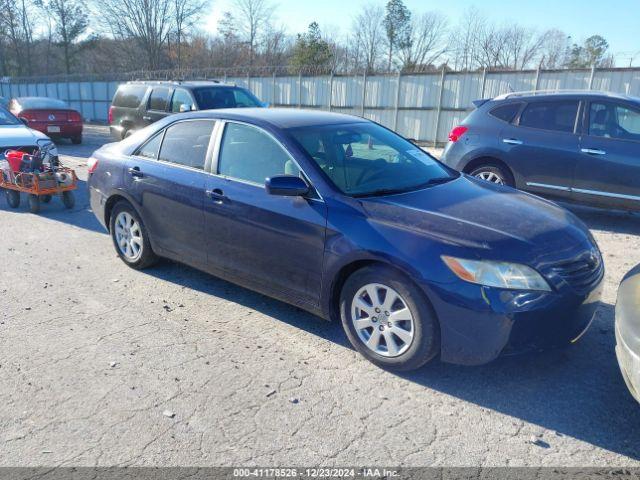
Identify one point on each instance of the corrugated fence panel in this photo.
(498, 83)
(460, 89)
(381, 91)
(420, 91)
(315, 92)
(566, 80)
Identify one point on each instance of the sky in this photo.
(616, 20)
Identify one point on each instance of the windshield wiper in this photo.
(394, 191)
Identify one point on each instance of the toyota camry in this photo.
(346, 219)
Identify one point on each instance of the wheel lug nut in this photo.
(381, 327)
(374, 319)
(386, 313)
(377, 310)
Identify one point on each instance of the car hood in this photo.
(468, 212)
(18, 135)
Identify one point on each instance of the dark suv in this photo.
(138, 104)
(577, 146)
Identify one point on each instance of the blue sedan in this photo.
(348, 220)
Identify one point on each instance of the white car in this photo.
(628, 330)
(14, 134)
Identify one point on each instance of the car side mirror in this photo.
(286, 185)
(185, 107)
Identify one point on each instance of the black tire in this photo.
(69, 199)
(425, 344)
(492, 168)
(13, 198)
(147, 257)
(34, 203)
(45, 198)
(77, 140)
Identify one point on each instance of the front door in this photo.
(608, 172)
(272, 242)
(167, 178)
(542, 146)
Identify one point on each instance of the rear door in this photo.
(157, 103)
(543, 147)
(167, 177)
(608, 170)
(273, 242)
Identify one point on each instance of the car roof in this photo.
(278, 117)
(181, 83)
(565, 94)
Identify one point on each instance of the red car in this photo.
(50, 116)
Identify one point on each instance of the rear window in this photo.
(506, 113)
(129, 96)
(558, 116)
(40, 103)
(159, 98)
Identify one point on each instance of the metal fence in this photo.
(421, 106)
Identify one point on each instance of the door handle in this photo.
(216, 195)
(147, 118)
(135, 172)
(593, 151)
(512, 141)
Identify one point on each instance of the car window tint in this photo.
(243, 99)
(150, 148)
(129, 96)
(506, 113)
(250, 154)
(614, 121)
(158, 99)
(559, 116)
(181, 98)
(186, 143)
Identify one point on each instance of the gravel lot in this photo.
(103, 365)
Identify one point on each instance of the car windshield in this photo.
(40, 103)
(225, 97)
(7, 119)
(365, 159)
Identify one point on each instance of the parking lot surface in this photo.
(104, 365)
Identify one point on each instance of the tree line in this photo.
(49, 37)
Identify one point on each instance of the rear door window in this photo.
(558, 116)
(506, 113)
(186, 143)
(129, 96)
(158, 99)
(612, 120)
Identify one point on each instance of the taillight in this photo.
(110, 115)
(92, 164)
(28, 116)
(457, 133)
(74, 117)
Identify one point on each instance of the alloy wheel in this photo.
(128, 236)
(382, 320)
(489, 176)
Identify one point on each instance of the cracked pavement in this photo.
(95, 357)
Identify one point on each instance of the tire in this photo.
(34, 203)
(77, 140)
(45, 198)
(493, 173)
(13, 198)
(407, 353)
(69, 199)
(120, 216)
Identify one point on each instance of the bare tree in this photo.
(253, 18)
(464, 40)
(16, 23)
(369, 34)
(147, 22)
(426, 42)
(554, 51)
(185, 12)
(71, 20)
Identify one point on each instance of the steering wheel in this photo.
(370, 174)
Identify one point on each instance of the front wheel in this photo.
(68, 199)
(494, 174)
(130, 237)
(388, 319)
(34, 203)
(13, 198)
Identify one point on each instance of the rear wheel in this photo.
(77, 140)
(388, 319)
(34, 203)
(493, 173)
(45, 198)
(13, 198)
(130, 237)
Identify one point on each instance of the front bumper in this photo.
(484, 323)
(629, 362)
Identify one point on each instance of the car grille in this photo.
(581, 273)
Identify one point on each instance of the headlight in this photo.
(497, 274)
